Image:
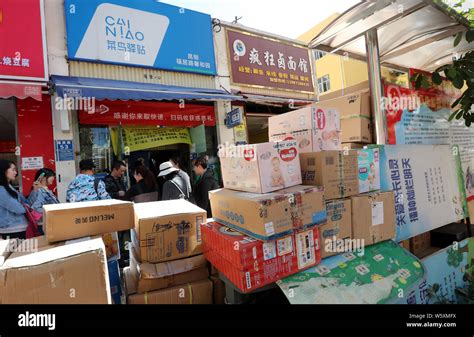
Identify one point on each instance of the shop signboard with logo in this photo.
(23, 53)
(268, 63)
(143, 33)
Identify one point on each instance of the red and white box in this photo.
(251, 264)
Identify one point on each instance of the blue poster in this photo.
(64, 150)
(143, 33)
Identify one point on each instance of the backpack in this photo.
(183, 195)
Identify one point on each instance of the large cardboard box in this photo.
(167, 230)
(71, 272)
(199, 292)
(251, 264)
(261, 168)
(357, 129)
(157, 276)
(77, 220)
(352, 146)
(311, 140)
(337, 231)
(373, 217)
(369, 170)
(420, 243)
(271, 215)
(336, 171)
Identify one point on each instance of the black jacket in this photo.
(201, 191)
(175, 188)
(137, 189)
(114, 186)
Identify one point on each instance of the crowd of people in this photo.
(18, 212)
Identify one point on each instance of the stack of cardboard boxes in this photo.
(69, 264)
(264, 223)
(166, 261)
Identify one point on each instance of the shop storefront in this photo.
(272, 74)
(26, 135)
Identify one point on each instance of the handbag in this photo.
(33, 217)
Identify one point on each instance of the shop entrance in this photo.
(8, 134)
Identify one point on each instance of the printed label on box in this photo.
(305, 249)
(248, 280)
(269, 229)
(377, 213)
(285, 246)
(269, 251)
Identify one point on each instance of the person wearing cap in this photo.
(85, 187)
(174, 187)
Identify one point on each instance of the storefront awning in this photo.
(272, 100)
(123, 90)
(22, 90)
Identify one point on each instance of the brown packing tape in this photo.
(190, 293)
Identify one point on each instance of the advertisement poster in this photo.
(144, 33)
(446, 271)
(269, 63)
(23, 46)
(425, 182)
(382, 273)
(136, 139)
(421, 117)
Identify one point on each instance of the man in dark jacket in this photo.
(114, 181)
(206, 183)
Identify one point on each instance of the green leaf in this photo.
(436, 287)
(459, 115)
(470, 36)
(468, 123)
(458, 39)
(440, 69)
(418, 81)
(436, 77)
(451, 73)
(456, 102)
(451, 117)
(458, 81)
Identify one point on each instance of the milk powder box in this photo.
(369, 170)
(310, 140)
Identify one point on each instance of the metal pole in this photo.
(375, 83)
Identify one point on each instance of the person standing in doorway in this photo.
(205, 184)
(178, 163)
(114, 184)
(146, 185)
(175, 186)
(13, 221)
(85, 187)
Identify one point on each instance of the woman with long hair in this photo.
(13, 222)
(43, 195)
(146, 183)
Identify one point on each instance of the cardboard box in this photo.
(359, 87)
(352, 146)
(199, 292)
(77, 220)
(261, 168)
(405, 244)
(373, 217)
(338, 228)
(251, 264)
(71, 272)
(356, 129)
(420, 243)
(167, 274)
(115, 281)
(369, 170)
(311, 140)
(218, 293)
(352, 105)
(167, 230)
(336, 171)
(269, 216)
(6, 248)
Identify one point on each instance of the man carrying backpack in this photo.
(85, 187)
(175, 186)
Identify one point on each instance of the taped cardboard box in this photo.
(199, 292)
(373, 217)
(71, 272)
(157, 276)
(369, 170)
(76, 220)
(300, 119)
(336, 171)
(167, 230)
(352, 146)
(336, 234)
(311, 140)
(356, 129)
(351, 105)
(251, 264)
(269, 216)
(261, 168)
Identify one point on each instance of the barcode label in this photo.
(248, 280)
(329, 160)
(311, 161)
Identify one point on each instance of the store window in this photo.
(318, 54)
(95, 144)
(324, 84)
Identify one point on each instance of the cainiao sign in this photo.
(141, 33)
